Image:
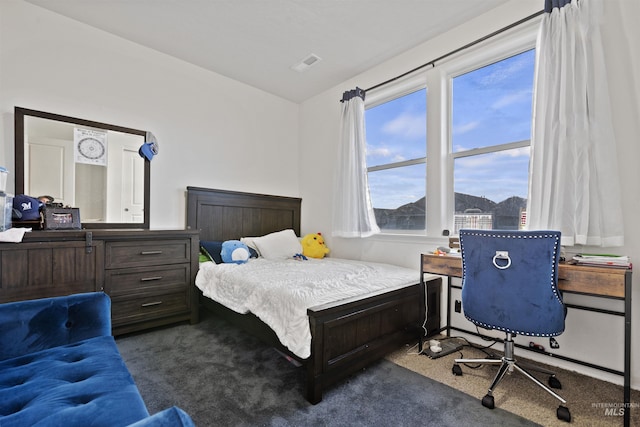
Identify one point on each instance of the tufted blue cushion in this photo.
(522, 299)
(81, 384)
(60, 366)
(28, 326)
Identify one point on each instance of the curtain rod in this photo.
(453, 52)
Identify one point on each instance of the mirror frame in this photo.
(19, 116)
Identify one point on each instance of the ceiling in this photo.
(257, 41)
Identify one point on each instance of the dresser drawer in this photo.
(144, 308)
(48, 269)
(142, 279)
(137, 253)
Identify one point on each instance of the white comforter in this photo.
(279, 292)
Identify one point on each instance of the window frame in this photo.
(439, 162)
(506, 46)
(392, 92)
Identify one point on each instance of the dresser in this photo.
(149, 274)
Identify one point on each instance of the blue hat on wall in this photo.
(150, 148)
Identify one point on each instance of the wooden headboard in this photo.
(225, 215)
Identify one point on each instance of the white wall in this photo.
(597, 337)
(213, 131)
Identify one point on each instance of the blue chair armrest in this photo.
(171, 417)
(34, 325)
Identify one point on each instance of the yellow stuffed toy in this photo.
(313, 246)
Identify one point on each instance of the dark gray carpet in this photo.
(224, 377)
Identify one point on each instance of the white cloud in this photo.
(512, 98)
(515, 152)
(407, 125)
(384, 153)
(503, 70)
(465, 127)
(378, 151)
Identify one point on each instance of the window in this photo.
(396, 160)
(475, 126)
(490, 138)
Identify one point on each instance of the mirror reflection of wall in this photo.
(90, 179)
(98, 171)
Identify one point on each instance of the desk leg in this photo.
(627, 349)
(448, 306)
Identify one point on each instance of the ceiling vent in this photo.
(307, 62)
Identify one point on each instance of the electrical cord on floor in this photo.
(409, 351)
(425, 345)
(494, 341)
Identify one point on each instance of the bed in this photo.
(346, 335)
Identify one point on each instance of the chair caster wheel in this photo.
(554, 382)
(563, 414)
(456, 370)
(487, 402)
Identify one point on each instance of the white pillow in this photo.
(279, 245)
(250, 242)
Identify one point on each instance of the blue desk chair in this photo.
(510, 283)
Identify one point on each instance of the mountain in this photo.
(406, 217)
(465, 202)
(411, 216)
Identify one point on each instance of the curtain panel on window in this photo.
(352, 209)
(574, 185)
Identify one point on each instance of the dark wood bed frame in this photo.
(346, 335)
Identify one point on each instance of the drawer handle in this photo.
(148, 279)
(151, 304)
(150, 252)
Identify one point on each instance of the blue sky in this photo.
(491, 105)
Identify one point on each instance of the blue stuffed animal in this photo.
(234, 251)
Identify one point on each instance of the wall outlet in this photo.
(458, 306)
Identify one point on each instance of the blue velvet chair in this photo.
(510, 283)
(60, 366)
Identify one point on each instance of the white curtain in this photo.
(574, 184)
(352, 210)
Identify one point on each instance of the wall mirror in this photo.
(83, 164)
